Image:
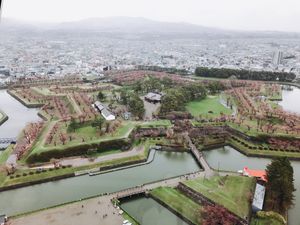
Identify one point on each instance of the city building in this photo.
(277, 58)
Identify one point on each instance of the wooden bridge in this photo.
(169, 182)
(199, 157)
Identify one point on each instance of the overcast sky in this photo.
(281, 15)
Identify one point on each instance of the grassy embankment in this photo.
(232, 192)
(88, 132)
(3, 117)
(179, 203)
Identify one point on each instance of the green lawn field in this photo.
(204, 107)
(232, 192)
(179, 202)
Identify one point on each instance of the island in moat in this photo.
(118, 126)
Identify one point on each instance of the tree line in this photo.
(244, 74)
(170, 70)
(176, 98)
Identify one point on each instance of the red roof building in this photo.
(259, 174)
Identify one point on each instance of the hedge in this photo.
(45, 156)
(271, 215)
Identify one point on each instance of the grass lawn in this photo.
(90, 135)
(42, 90)
(203, 107)
(156, 123)
(5, 154)
(233, 192)
(179, 202)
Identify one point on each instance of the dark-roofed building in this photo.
(153, 97)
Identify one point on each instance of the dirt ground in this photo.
(89, 212)
(150, 109)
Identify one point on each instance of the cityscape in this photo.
(138, 114)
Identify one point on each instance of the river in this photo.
(164, 165)
(229, 159)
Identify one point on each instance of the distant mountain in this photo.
(137, 25)
(134, 25)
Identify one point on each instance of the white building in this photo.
(104, 111)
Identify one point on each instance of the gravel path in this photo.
(89, 212)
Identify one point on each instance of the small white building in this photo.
(104, 111)
(107, 115)
(259, 197)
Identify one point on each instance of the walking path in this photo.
(81, 161)
(199, 156)
(75, 162)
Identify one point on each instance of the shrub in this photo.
(271, 215)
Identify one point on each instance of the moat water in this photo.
(149, 212)
(229, 159)
(18, 114)
(290, 100)
(165, 165)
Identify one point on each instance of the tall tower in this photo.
(277, 58)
